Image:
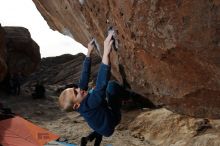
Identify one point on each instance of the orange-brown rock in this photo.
(169, 50)
(23, 54)
(3, 66)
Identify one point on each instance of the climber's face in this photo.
(71, 98)
(79, 95)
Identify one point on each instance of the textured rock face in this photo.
(163, 128)
(3, 66)
(23, 54)
(169, 49)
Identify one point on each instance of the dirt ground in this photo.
(46, 113)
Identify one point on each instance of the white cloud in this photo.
(24, 13)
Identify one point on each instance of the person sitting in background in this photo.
(102, 114)
(39, 91)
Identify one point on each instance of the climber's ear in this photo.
(76, 106)
(83, 92)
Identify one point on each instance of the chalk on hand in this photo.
(114, 36)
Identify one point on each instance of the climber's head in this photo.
(71, 98)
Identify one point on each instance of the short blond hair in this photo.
(67, 93)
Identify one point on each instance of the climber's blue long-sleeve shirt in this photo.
(94, 108)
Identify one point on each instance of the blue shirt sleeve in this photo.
(85, 75)
(99, 93)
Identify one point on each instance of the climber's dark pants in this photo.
(96, 136)
(115, 93)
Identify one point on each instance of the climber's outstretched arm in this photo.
(85, 75)
(99, 93)
(107, 48)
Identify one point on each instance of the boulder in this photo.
(23, 54)
(168, 49)
(164, 128)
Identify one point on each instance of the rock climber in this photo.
(15, 83)
(101, 106)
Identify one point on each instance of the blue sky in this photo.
(24, 13)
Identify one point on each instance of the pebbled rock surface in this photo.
(168, 49)
(164, 128)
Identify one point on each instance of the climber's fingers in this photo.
(91, 45)
(91, 42)
(110, 44)
(109, 37)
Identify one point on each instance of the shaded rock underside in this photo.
(168, 49)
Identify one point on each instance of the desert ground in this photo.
(46, 113)
(139, 127)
